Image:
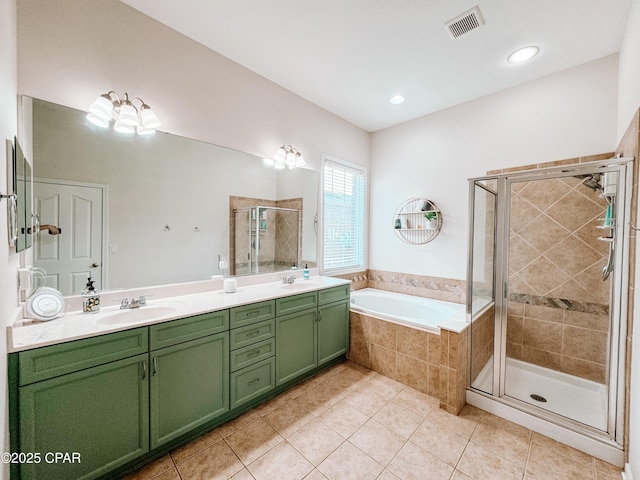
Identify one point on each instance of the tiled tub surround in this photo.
(558, 309)
(482, 341)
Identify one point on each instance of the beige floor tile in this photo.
(479, 463)
(458, 475)
(445, 445)
(316, 441)
(606, 471)
(153, 469)
(399, 419)
(386, 386)
(242, 475)
(555, 460)
(344, 419)
(419, 402)
(288, 419)
(367, 400)
(412, 463)
(377, 441)
(237, 423)
(388, 475)
(512, 446)
(171, 474)
(315, 475)
(282, 462)
(253, 440)
(217, 462)
(317, 400)
(180, 454)
(463, 426)
(349, 463)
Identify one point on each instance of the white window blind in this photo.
(343, 197)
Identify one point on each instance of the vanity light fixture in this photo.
(128, 118)
(286, 156)
(523, 54)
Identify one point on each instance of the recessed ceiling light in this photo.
(396, 99)
(523, 54)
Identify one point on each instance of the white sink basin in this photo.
(148, 312)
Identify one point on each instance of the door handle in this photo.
(95, 265)
(155, 366)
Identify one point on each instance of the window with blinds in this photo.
(343, 217)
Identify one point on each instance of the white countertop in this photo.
(26, 334)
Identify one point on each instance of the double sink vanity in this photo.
(118, 388)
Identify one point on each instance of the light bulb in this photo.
(280, 154)
(128, 114)
(148, 117)
(523, 54)
(290, 159)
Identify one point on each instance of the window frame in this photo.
(365, 218)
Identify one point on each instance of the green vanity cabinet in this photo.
(189, 386)
(98, 415)
(295, 345)
(333, 330)
(253, 348)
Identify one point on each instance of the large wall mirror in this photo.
(134, 211)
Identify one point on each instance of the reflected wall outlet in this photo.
(113, 248)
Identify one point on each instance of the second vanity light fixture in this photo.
(128, 118)
(286, 156)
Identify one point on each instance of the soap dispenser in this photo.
(305, 273)
(90, 298)
(294, 267)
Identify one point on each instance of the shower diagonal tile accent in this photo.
(544, 233)
(543, 276)
(575, 210)
(527, 213)
(573, 255)
(543, 198)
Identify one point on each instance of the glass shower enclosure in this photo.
(266, 239)
(546, 303)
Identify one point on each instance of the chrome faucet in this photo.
(138, 302)
(288, 280)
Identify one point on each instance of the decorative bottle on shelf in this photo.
(90, 298)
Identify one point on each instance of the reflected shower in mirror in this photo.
(142, 211)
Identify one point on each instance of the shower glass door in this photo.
(558, 331)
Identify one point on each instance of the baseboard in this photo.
(627, 475)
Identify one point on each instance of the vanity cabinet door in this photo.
(189, 386)
(295, 345)
(100, 413)
(333, 330)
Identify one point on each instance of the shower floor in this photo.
(573, 397)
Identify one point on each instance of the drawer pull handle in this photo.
(253, 354)
(255, 380)
(253, 314)
(155, 366)
(144, 369)
(255, 333)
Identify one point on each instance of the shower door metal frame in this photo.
(618, 298)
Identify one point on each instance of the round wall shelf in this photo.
(417, 221)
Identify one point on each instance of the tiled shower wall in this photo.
(558, 303)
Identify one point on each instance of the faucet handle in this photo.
(143, 299)
(124, 302)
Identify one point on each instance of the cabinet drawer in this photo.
(333, 294)
(296, 303)
(248, 314)
(251, 382)
(48, 362)
(241, 337)
(185, 329)
(251, 354)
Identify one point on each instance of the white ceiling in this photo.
(350, 56)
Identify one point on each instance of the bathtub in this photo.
(416, 312)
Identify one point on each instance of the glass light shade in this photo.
(97, 120)
(269, 161)
(300, 160)
(148, 118)
(523, 54)
(142, 130)
(290, 159)
(279, 164)
(280, 154)
(128, 115)
(123, 128)
(102, 107)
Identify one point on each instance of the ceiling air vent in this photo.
(464, 23)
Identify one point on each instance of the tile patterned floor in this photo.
(350, 423)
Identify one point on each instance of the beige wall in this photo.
(70, 51)
(9, 259)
